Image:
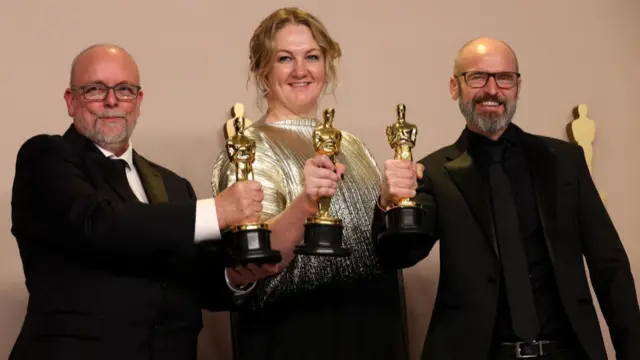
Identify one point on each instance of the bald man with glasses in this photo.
(118, 253)
(514, 213)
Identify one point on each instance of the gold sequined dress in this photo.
(346, 303)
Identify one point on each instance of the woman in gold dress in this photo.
(328, 308)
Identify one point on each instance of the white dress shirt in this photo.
(206, 217)
(207, 227)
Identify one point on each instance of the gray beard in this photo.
(490, 124)
(100, 138)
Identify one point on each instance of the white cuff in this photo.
(206, 221)
(235, 290)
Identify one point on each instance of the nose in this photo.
(111, 100)
(299, 69)
(491, 87)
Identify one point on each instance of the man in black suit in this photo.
(119, 255)
(514, 213)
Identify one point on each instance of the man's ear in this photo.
(139, 99)
(454, 88)
(69, 98)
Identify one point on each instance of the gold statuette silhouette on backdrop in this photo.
(249, 243)
(323, 232)
(404, 216)
(582, 131)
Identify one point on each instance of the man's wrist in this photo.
(222, 223)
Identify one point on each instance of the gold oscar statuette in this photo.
(250, 242)
(401, 136)
(323, 232)
(405, 216)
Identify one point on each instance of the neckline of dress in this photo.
(299, 122)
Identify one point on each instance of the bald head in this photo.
(483, 47)
(89, 57)
(104, 96)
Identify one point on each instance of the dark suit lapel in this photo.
(112, 176)
(467, 178)
(543, 164)
(99, 166)
(151, 180)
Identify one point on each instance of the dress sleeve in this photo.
(267, 171)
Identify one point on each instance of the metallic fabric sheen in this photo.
(281, 151)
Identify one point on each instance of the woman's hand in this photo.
(320, 178)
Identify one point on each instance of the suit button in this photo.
(163, 285)
(492, 279)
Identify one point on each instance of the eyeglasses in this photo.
(479, 79)
(99, 92)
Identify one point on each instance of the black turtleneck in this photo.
(554, 324)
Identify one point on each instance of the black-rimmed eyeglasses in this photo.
(479, 79)
(99, 92)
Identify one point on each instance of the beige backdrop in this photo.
(193, 58)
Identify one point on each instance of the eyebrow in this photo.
(291, 52)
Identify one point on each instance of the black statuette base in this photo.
(322, 240)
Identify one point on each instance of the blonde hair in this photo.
(262, 46)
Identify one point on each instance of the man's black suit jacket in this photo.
(108, 277)
(575, 223)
